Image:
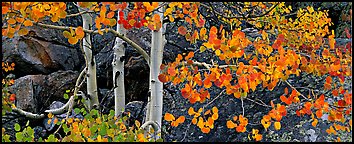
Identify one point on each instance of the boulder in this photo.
(34, 93)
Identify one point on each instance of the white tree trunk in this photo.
(154, 112)
(118, 71)
(91, 64)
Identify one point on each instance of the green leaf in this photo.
(67, 91)
(66, 96)
(202, 49)
(93, 129)
(19, 136)
(77, 110)
(244, 95)
(17, 127)
(111, 113)
(51, 138)
(103, 130)
(30, 132)
(159, 140)
(65, 128)
(40, 139)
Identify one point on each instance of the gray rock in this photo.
(34, 93)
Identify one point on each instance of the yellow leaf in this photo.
(23, 31)
(314, 123)
(215, 116)
(191, 111)
(217, 52)
(169, 117)
(200, 122)
(49, 121)
(137, 123)
(50, 115)
(215, 109)
(277, 125)
(67, 34)
(202, 48)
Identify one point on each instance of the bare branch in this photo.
(133, 44)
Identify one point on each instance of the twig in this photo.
(296, 90)
(243, 108)
(123, 37)
(214, 98)
(185, 133)
(258, 103)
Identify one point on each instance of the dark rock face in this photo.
(34, 93)
(36, 55)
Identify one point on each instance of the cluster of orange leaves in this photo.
(174, 122)
(241, 127)
(209, 116)
(189, 12)
(25, 13)
(74, 36)
(8, 67)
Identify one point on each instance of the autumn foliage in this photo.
(286, 47)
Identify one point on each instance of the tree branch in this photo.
(133, 44)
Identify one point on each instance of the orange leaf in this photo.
(215, 109)
(205, 130)
(163, 78)
(319, 113)
(200, 122)
(110, 14)
(72, 40)
(241, 128)
(329, 79)
(174, 123)
(169, 117)
(314, 123)
(215, 116)
(180, 119)
(194, 121)
(335, 92)
(11, 21)
(28, 23)
(331, 130)
(277, 125)
(286, 91)
(235, 118)
(207, 112)
(258, 137)
(182, 30)
(5, 9)
(230, 124)
(284, 99)
(79, 32)
(191, 111)
(171, 71)
(207, 83)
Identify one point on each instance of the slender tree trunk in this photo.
(118, 71)
(91, 64)
(154, 112)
